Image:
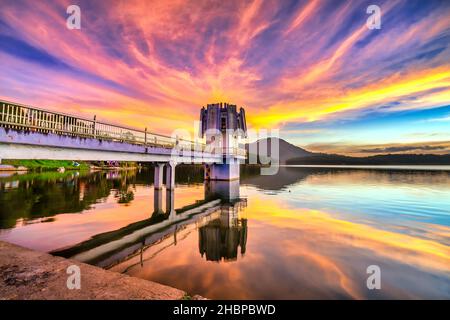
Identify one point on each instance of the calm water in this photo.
(304, 233)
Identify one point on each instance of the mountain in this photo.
(291, 154)
(287, 150)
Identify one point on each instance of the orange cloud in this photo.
(157, 70)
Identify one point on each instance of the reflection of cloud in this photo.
(299, 253)
(320, 226)
(294, 252)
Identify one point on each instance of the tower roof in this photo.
(222, 117)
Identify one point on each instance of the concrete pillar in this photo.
(207, 172)
(159, 170)
(157, 201)
(170, 175)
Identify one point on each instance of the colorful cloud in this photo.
(296, 65)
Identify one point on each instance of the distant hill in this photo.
(291, 154)
(385, 159)
(287, 150)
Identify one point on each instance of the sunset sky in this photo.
(310, 68)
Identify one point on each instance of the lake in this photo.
(305, 233)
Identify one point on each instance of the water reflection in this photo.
(31, 196)
(220, 239)
(304, 233)
(25, 197)
(216, 216)
(229, 191)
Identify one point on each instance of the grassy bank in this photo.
(50, 165)
(46, 164)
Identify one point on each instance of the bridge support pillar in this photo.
(159, 170)
(170, 175)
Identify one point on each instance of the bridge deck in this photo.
(24, 130)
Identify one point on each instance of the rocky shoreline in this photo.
(31, 275)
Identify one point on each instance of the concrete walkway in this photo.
(28, 274)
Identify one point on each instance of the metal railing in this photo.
(21, 117)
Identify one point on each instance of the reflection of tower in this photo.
(225, 190)
(222, 237)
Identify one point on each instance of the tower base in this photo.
(223, 171)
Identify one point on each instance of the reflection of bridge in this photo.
(31, 133)
(220, 207)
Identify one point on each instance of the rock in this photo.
(28, 274)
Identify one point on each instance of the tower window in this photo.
(223, 124)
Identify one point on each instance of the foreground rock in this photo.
(28, 274)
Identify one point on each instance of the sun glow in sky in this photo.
(311, 68)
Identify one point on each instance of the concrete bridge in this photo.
(32, 133)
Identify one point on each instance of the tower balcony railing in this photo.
(21, 117)
(235, 152)
(223, 151)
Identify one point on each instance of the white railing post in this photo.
(145, 136)
(95, 127)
